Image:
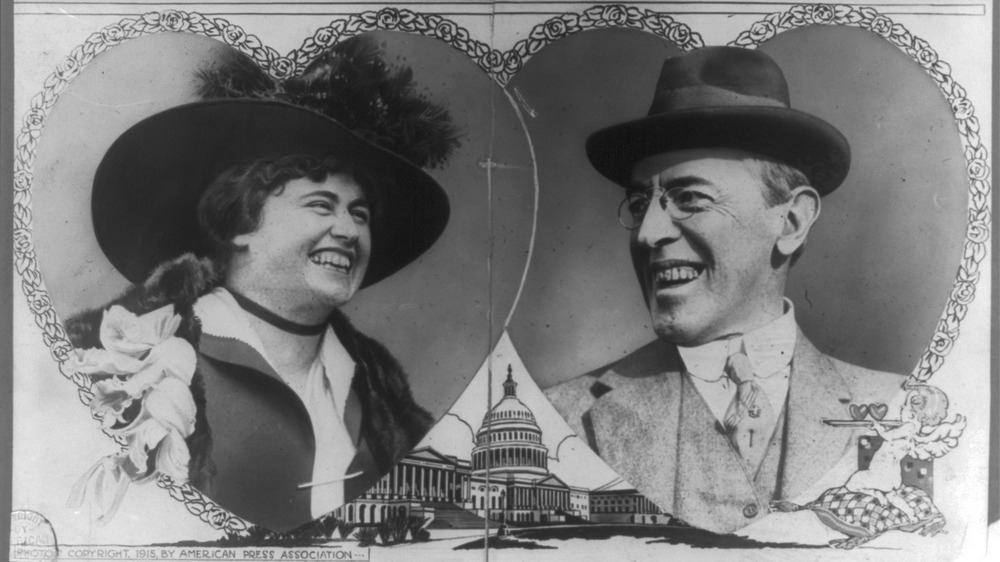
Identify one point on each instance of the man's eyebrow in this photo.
(685, 181)
(672, 183)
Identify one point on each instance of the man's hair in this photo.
(779, 179)
(233, 203)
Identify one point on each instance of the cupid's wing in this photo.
(939, 441)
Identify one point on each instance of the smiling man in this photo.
(246, 223)
(723, 412)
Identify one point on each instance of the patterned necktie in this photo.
(750, 413)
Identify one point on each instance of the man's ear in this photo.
(802, 210)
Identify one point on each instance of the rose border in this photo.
(498, 65)
(501, 66)
(978, 230)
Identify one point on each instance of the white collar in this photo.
(223, 317)
(769, 348)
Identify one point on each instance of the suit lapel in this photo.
(640, 412)
(816, 392)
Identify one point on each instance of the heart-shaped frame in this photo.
(978, 230)
(501, 66)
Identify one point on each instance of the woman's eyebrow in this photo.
(335, 198)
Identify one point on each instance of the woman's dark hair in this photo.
(233, 203)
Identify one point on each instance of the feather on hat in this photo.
(352, 84)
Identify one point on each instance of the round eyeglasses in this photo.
(677, 204)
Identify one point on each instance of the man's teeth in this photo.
(331, 259)
(680, 273)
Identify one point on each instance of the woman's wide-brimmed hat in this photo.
(724, 97)
(148, 185)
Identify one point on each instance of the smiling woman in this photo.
(246, 220)
(307, 249)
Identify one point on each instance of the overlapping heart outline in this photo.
(500, 66)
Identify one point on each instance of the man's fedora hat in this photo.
(147, 187)
(724, 97)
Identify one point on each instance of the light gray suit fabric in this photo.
(651, 425)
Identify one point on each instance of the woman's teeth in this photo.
(332, 260)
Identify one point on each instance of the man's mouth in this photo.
(675, 273)
(336, 260)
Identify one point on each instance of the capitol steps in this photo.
(450, 516)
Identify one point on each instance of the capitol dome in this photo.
(510, 439)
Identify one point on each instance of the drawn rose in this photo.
(881, 25)
(113, 34)
(678, 33)
(762, 31)
(822, 13)
(941, 343)
(234, 35)
(325, 36)
(67, 68)
(39, 303)
(217, 517)
(512, 61)
(33, 121)
(22, 241)
(446, 30)
(964, 292)
(962, 108)
(554, 29)
(61, 350)
(978, 232)
(174, 21)
(282, 67)
(22, 180)
(492, 61)
(978, 169)
(388, 18)
(927, 57)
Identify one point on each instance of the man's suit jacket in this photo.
(650, 424)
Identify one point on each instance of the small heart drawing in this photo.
(878, 411)
(858, 411)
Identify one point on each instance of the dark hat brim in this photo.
(147, 186)
(798, 139)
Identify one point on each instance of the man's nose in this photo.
(657, 227)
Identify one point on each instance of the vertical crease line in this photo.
(489, 310)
